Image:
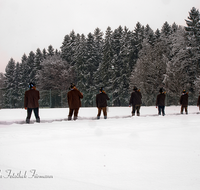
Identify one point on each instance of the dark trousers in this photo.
(104, 112)
(136, 108)
(71, 112)
(182, 109)
(161, 109)
(29, 112)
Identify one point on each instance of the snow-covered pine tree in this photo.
(24, 73)
(126, 50)
(68, 48)
(18, 93)
(157, 34)
(90, 68)
(44, 53)
(98, 42)
(105, 69)
(80, 60)
(193, 42)
(31, 68)
(149, 35)
(38, 58)
(9, 99)
(50, 51)
(193, 28)
(117, 64)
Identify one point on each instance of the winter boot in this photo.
(38, 120)
(133, 114)
(98, 117)
(27, 120)
(75, 118)
(105, 117)
(69, 118)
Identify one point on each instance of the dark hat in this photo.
(31, 85)
(161, 90)
(101, 89)
(134, 88)
(184, 91)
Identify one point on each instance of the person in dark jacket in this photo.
(160, 102)
(184, 102)
(135, 101)
(31, 98)
(74, 102)
(198, 101)
(101, 103)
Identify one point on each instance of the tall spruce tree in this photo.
(9, 100)
(50, 51)
(80, 60)
(68, 48)
(31, 68)
(105, 70)
(90, 69)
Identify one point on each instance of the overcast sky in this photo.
(26, 25)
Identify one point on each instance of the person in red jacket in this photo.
(74, 102)
(101, 103)
(184, 102)
(31, 98)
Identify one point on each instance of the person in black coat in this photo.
(184, 102)
(160, 102)
(135, 101)
(101, 103)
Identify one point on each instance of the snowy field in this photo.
(149, 152)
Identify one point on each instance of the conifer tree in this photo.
(105, 70)
(50, 51)
(38, 59)
(31, 68)
(68, 48)
(10, 84)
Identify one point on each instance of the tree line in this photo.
(117, 61)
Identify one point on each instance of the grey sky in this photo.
(30, 24)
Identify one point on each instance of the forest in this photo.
(116, 60)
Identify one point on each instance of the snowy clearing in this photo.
(120, 153)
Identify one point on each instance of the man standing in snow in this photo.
(160, 102)
(184, 102)
(74, 102)
(135, 101)
(101, 103)
(31, 98)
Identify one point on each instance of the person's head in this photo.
(72, 86)
(135, 88)
(31, 85)
(184, 91)
(101, 89)
(161, 90)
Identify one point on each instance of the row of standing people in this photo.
(136, 102)
(74, 97)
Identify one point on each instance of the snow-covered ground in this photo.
(149, 152)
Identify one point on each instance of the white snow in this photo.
(149, 152)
